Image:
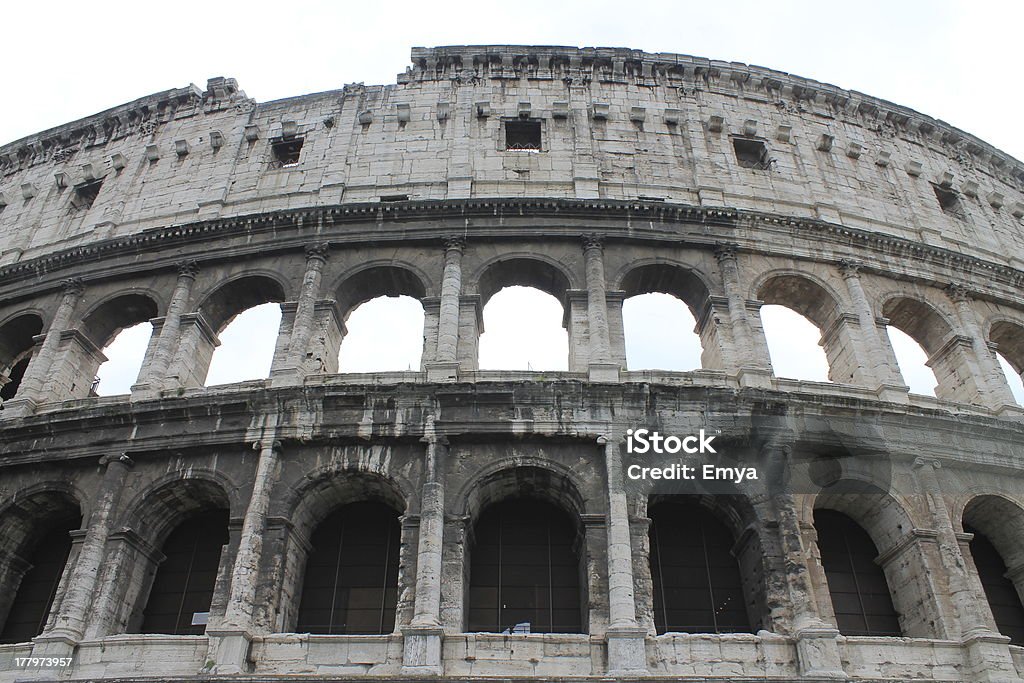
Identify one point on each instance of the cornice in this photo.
(55, 265)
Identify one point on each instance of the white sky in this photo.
(956, 61)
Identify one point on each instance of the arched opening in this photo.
(524, 331)
(659, 318)
(860, 593)
(929, 330)
(524, 321)
(697, 581)
(1010, 339)
(383, 312)
(998, 553)
(16, 345)
(798, 313)
(37, 544)
(182, 592)
(351, 579)
(912, 361)
(124, 354)
(245, 317)
(525, 571)
(247, 346)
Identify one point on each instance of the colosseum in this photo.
(184, 531)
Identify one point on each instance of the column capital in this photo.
(726, 251)
(189, 268)
(923, 461)
(454, 243)
(72, 285)
(850, 268)
(958, 293)
(274, 445)
(121, 458)
(317, 251)
(592, 241)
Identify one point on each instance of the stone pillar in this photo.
(151, 379)
(627, 652)
(31, 391)
(446, 366)
(987, 653)
(296, 366)
(601, 367)
(871, 354)
(234, 633)
(750, 352)
(816, 645)
(423, 637)
(191, 362)
(994, 388)
(76, 606)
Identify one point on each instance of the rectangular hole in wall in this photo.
(522, 136)
(394, 197)
(286, 151)
(949, 201)
(85, 194)
(750, 153)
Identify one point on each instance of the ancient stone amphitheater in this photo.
(469, 523)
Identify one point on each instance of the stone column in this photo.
(601, 367)
(234, 633)
(31, 392)
(987, 653)
(423, 637)
(816, 644)
(446, 365)
(76, 607)
(992, 381)
(627, 652)
(754, 366)
(305, 313)
(876, 352)
(151, 379)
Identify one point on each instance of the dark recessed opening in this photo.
(522, 135)
(85, 194)
(286, 151)
(949, 201)
(394, 197)
(750, 153)
(8, 390)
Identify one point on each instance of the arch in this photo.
(1008, 335)
(525, 271)
(997, 550)
(880, 513)
(36, 545)
(525, 568)
(919, 319)
(330, 488)
(350, 583)
(807, 295)
(376, 279)
(532, 476)
(679, 280)
(176, 496)
(698, 585)
(108, 317)
(861, 597)
(17, 341)
(1001, 520)
(238, 294)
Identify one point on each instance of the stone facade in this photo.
(725, 185)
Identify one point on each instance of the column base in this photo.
(286, 377)
(893, 393)
(1010, 411)
(55, 644)
(758, 378)
(446, 372)
(604, 372)
(988, 659)
(818, 653)
(18, 407)
(627, 651)
(421, 650)
(229, 652)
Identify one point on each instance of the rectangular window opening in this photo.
(522, 136)
(85, 194)
(949, 201)
(286, 151)
(394, 197)
(751, 153)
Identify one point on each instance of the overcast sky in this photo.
(956, 61)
